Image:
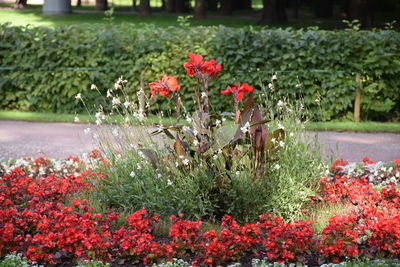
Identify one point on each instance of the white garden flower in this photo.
(203, 95)
(188, 119)
(280, 126)
(98, 121)
(195, 142)
(291, 134)
(218, 123)
(273, 140)
(185, 162)
(215, 156)
(132, 174)
(237, 173)
(281, 104)
(78, 96)
(127, 104)
(87, 131)
(277, 166)
(109, 93)
(281, 143)
(274, 77)
(116, 101)
(76, 119)
(298, 85)
(93, 87)
(169, 182)
(270, 86)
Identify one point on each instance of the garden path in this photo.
(59, 140)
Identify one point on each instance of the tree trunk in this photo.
(323, 8)
(79, 3)
(171, 6)
(226, 7)
(101, 5)
(144, 8)
(180, 6)
(20, 3)
(134, 4)
(243, 4)
(200, 9)
(273, 12)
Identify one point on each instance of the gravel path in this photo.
(59, 140)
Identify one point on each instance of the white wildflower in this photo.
(176, 164)
(127, 104)
(215, 156)
(270, 86)
(298, 85)
(281, 104)
(188, 119)
(93, 87)
(274, 77)
(277, 166)
(87, 131)
(185, 162)
(109, 93)
(78, 96)
(273, 140)
(116, 101)
(291, 134)
(169, 182)
(138, 166)
(219, 151)
(203, 95)
(76, 119)
(98, 121)
(195, 142)
(237, 173)
(218, 123)
(280, 126)
(132, 174)
(281, 143)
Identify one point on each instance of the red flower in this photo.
(238, 91)
(397, 162)
(164, 86)
(339, 162)
(197, 66)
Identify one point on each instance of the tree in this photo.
(243, 4)
(144, 8)
(101, 5)
(200, 9)
(363, 10)
(20, 3)
(273, 12)
(170, 7)
(212, 4)
(79, 3)
(226, 7)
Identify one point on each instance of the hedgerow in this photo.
(42, 68)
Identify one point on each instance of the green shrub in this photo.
(51, 64)
(15, 260)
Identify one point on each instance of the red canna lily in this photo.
(197, 66)
(238, 91)
(164, 86)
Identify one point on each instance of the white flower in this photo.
(87, 131)
(281, 143)
(245, 128)
(270, 86)
(219, 151)
(223, 119)
(215, 156)
(98, 121)
(274, 77)
(132, 174)
(277, 166)
(78, 96)
(93, 87)
(195, 142)
(273, 140)
(298, 85)
(138, 166)
(76, 119)
(176, 164)
(218, 123)
(397, 174)
(127, 104)
(109, 94)
(116, 101)
(203, 95)
(185, 161)
(188, 119)
(186, 128)
(169, 182)
(280, 126)
(140, 153)
(237, 173)
(281, 104)
(291, 134)
(115, 132)
(98, 115)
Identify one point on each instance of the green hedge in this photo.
(45, 77)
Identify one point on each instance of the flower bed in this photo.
(40, 218)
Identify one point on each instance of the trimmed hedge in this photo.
(45, 61)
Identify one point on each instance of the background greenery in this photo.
(48, 67)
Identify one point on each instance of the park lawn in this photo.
(339, 126)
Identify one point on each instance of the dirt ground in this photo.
(59, 140)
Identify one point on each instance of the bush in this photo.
(53, 65)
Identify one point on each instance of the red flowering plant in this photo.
(209, 142)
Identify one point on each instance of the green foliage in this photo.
(53, 65)
(13, 260)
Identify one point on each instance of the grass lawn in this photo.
(152, 120)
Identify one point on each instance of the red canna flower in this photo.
(197, 66)
(164, 86)
(238, 91)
